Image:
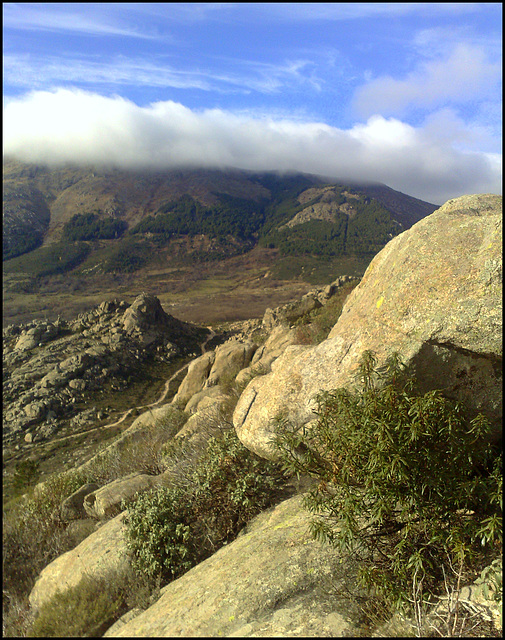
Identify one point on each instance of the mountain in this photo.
(87, 228)
(31, 192)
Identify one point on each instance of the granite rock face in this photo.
(100, 552)
(52, 367)
(109, 500)
(273, 580)
(433, 294)
(73, 507)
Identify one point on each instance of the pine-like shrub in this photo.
(409, 484)
(173, 528)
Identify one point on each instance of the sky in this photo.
(407, 94)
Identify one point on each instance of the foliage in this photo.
(408, 483)
(93, 226)
(26, 474)
(171, 529)
(85, 610)
(315, 237)
(23, 241)
(127, 257)
(142, 454)
(237, 217)
(314, 327)
(371, 227)
(365, 232)
(51, 260)
(33, 532)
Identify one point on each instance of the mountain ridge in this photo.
(73, 236)
(135, 194)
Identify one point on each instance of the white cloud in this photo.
(461, 76)
(69, 126)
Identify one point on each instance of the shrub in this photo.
(86, 610)
(140, 452)
(33, 531)
(314, 327)
(93, 226)
(171, 529)
(408, 483)
(26, 474)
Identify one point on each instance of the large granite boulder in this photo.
(198, 372)
(108, 500)
(166, 416)
(72, 508)
(279, 339)
(231, 357)
(433, 294)
(145, 311)
(102, 551)
(273, 580)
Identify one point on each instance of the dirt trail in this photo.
(128, 412)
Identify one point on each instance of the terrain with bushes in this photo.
(329, 464)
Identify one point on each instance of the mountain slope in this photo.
(33, 191)
(214, 245)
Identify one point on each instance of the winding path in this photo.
(128, 412)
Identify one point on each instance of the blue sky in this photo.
(408, 94)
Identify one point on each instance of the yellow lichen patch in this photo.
(379, 302)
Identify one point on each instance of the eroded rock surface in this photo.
(273, 580)
(51, 368)
(100, 552)
(433, 294)
(109, 500)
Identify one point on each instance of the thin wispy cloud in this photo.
(25, 71)
(340, 11)
(58, 18)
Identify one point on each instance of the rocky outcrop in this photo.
(289, 313)
(195, 378)
(273, 580)
(52, 367)
(279, 339)
(230, 358)
(73, 507)
(433, 294)
(102, 551)
(109, 500)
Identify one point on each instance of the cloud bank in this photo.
(73, 126)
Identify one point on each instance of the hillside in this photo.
(167, 461)
(79, 234)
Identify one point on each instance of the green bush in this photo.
(33, 532)
(408, 482)
(26, 474)
(224, 485)
(93, 226)
(52, 260)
